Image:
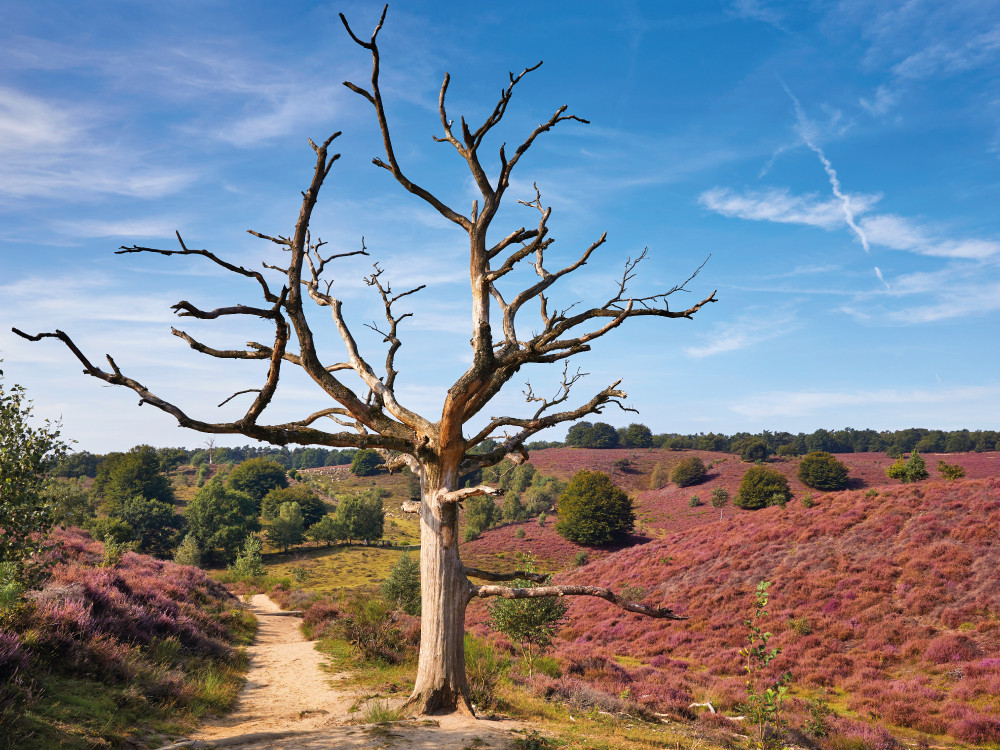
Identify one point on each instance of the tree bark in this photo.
(445, 592)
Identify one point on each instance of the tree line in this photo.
(848, 440)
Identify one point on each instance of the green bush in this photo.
(593, 510)
(694, 501)
(688, 472)
(754, 449)
(368, 626)
(950, 471)
(912, 470)
(807, 500)
(762, 486)
(312, 507)
(365, 463)
(402, 587)
(821, 471)
(248, 563)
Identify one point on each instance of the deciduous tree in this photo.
(439, 448)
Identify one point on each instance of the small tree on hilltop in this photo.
(821, 471)
(123, 476)
(360, 403)
(762, 486)
(688, 472)
(593, 510)
(257, 477)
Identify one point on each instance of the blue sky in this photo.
(840, 162)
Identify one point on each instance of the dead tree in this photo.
(438, 450)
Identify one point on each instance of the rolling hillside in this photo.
(885, 599)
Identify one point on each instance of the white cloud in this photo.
(901, 233)
(148, 227)
(779, 205)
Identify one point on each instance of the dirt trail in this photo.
(290, 702)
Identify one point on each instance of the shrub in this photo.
(365, 463)
(368, 626)
(593, 510)
(821, 471)
(754, 449)
(688, 472)
(485, 667)
(659, 478)
(761, 487)
(188, 553)
(257, 477)
(519, 533)
(916, 468)
(694, 502)
(581, 559)
(402, 587)
(248, 563)
(788, 449)
(950, 471)
(807, 500)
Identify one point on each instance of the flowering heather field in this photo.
(143, 635)
(890, 603)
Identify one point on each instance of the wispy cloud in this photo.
(742, 334)
(50, 148)
(900, 233)
(780, 206)
(757, 10)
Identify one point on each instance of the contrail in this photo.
(805, 130)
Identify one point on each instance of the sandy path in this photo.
(288, 703)
(285, 688)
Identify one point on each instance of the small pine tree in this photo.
(916, 468)
(897, 470)
(248, 563)
(188, 553)
(402, 587)
(720, 499)
(819, 470)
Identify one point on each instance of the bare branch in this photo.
(458, 496)
(523, 575)
(238, 393)
(538, 592)
(375, 98)
(268, 295)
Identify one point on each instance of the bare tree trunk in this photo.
(445, 592)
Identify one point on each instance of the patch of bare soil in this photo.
(290, 702)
